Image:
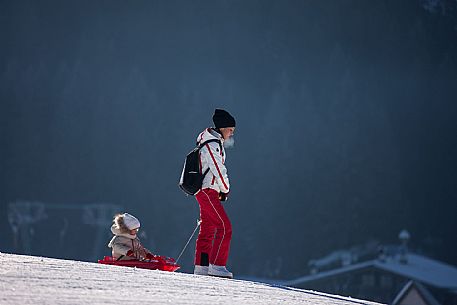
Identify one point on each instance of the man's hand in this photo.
(223, 196)
(130, 253)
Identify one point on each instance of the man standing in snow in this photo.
(213, 242)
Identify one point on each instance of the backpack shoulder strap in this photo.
(209, 141)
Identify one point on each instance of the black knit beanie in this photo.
(222, 118)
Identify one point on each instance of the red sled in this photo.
(157, 263)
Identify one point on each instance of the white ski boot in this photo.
(201, 270)
(219, 271)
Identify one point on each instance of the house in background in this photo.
(384, 277)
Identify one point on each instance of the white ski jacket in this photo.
(212, 156)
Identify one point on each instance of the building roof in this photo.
(417, 267)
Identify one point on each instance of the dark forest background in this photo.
(346, 121)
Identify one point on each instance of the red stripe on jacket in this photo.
(217, 167)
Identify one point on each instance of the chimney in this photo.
(404, 237)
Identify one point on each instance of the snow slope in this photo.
(39, 280)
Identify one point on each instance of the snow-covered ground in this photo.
(40, 280)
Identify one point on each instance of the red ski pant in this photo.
(215, 230)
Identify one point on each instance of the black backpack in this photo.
(191, 178)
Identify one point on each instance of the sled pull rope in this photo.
(190, 238)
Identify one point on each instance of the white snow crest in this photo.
(39, 280)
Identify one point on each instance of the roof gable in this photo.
(414, 294)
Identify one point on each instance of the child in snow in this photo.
(125, 244)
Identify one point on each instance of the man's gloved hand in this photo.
(223, 196)
(150, 256)
(130, 253)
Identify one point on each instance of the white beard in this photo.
(229, 143)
